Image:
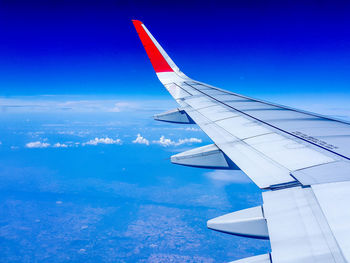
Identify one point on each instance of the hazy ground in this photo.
(75, 185)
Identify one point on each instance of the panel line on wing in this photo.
(276, 105)
(284, 131)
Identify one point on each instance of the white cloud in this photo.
(192, 129)
(102, 141)
(60, 145)
(188, 140)
(141, 140)
(225, 177)
(164, 141)
(121, 106)
(168, 142)
(66, 132)
(37, 144)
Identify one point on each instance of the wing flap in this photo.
(334, 200)
(325, 173)
(298, 230)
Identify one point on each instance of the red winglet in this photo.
(158, 61)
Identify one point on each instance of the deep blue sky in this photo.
(253, 47)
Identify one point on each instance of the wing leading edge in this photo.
(298, 157)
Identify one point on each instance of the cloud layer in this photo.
(93, 142)
(60, 145)
(105, 140)
(37, 144)
(54, 103)
(165, 142)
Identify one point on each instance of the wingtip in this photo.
(159, 62)
(136, 22)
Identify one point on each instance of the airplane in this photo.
(300, 160)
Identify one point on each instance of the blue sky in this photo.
(85, 174)
(85, 47)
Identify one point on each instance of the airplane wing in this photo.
(299, 159)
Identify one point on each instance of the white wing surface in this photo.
(300, 159)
